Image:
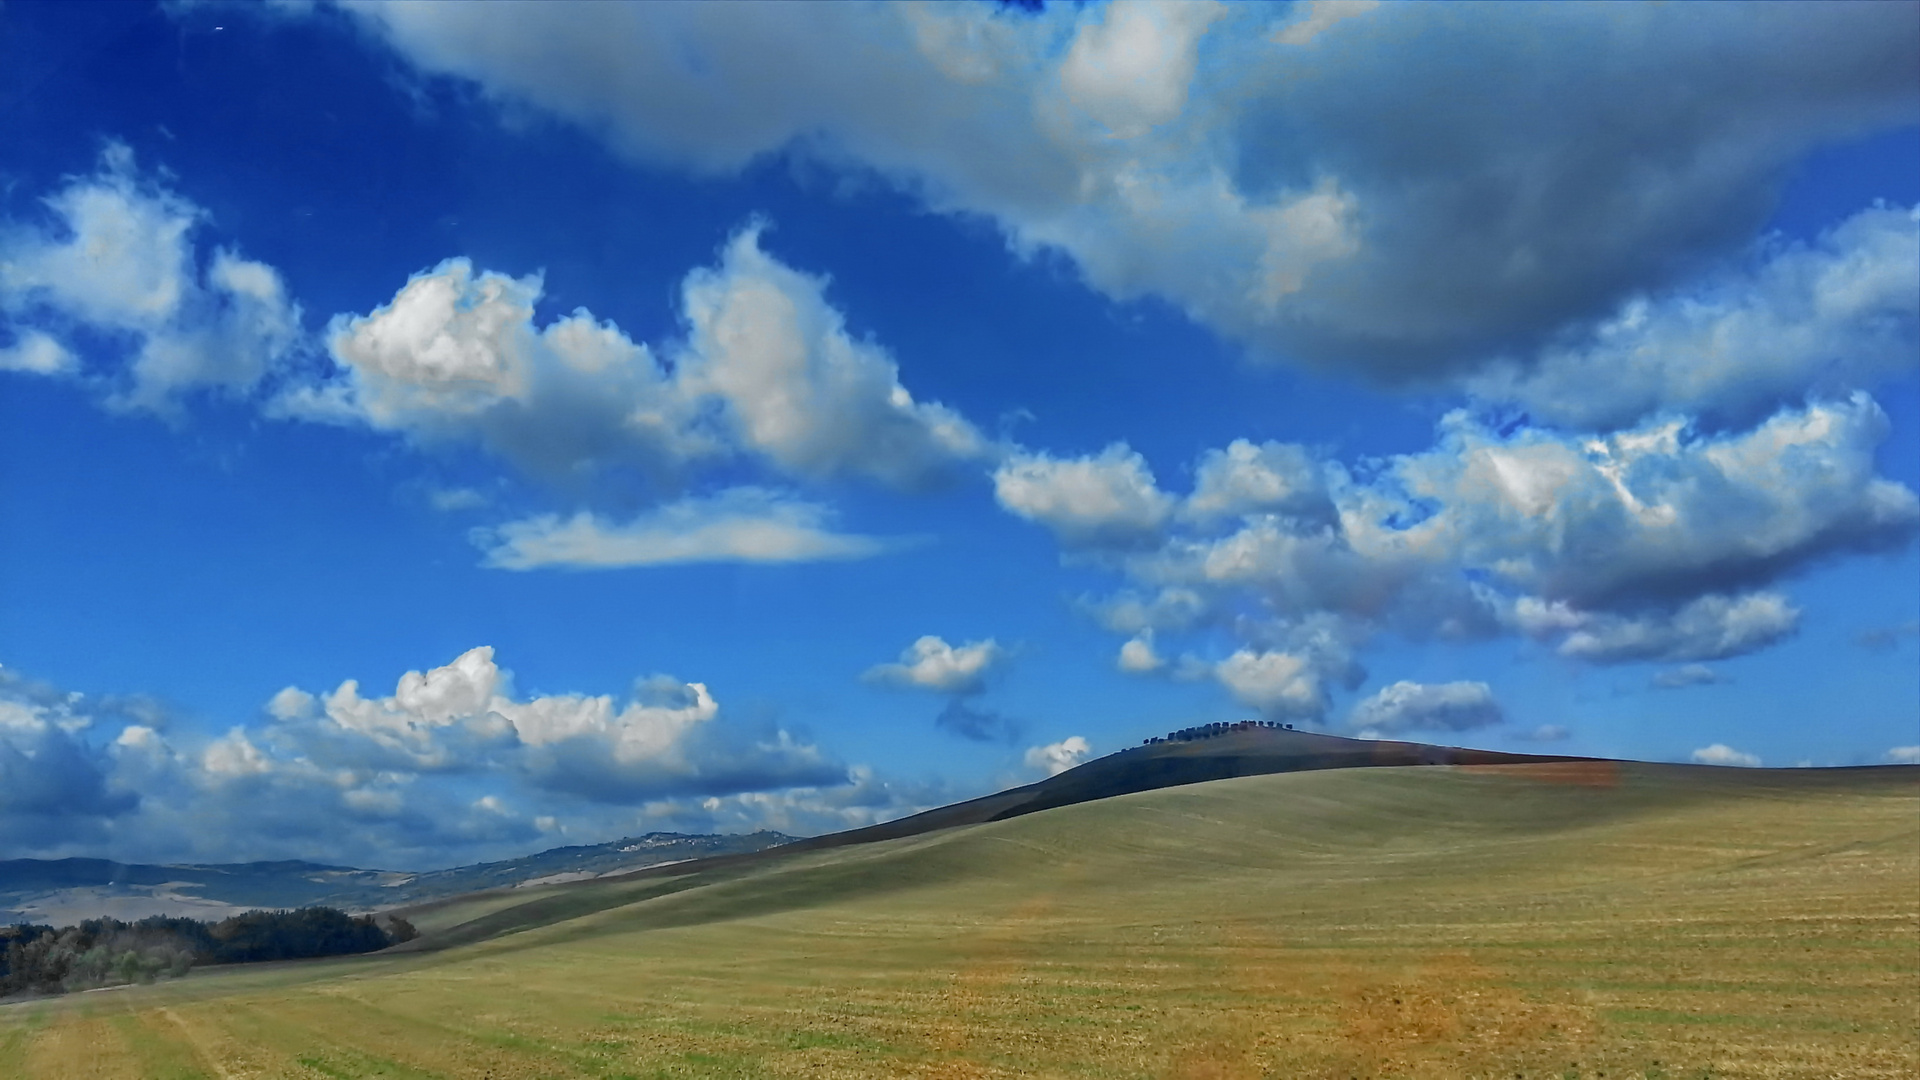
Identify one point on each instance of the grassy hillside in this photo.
(1544, 920)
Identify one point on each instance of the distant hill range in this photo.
(64, 891)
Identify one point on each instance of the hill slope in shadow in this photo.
(1245, 752)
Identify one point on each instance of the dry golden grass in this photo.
(1533, 921)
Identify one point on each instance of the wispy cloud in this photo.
(737, 525)
(1686, 675)
(1883, 638)
(449, 500)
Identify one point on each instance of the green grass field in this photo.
(1500, 921)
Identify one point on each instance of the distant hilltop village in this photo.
(1208, 731)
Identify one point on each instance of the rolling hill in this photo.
(1238, 750)
(65, 891)
(1546, 918)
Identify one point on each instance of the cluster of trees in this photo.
(108, 952)
(1208, 731)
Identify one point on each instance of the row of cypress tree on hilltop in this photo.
(108, 952)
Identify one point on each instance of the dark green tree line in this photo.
(108, 952)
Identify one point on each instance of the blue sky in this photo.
(429, 433)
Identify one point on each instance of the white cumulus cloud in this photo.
(1410, 706)
(1307, 178)
(121, 257)
(37, 353)
(1056, 758)
(1108, 498)
(1246, 478)
(1837, 313)
(1713, 627)
(798, 387)
(464, 716)
(767, 367)
(1137, 656)
(1722, 754)
(291, 703)
(1277, 683)
(1655, 544)
(456, 356)
(1130, 66)
(395, 780)
(932, 664)
(1646, 513)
